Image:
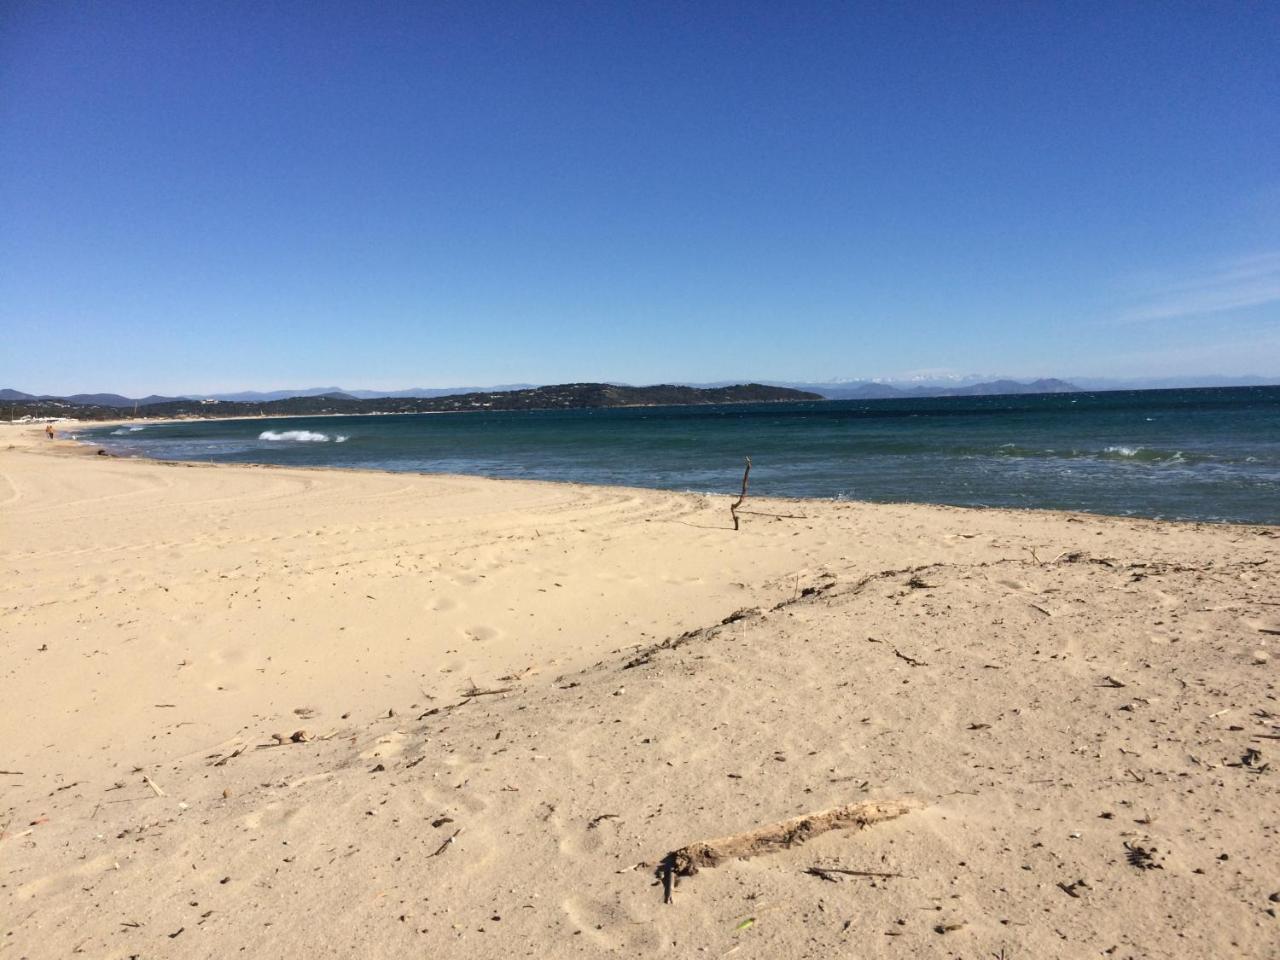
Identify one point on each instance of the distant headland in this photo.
(568, 396)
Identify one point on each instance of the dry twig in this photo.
(445, 846)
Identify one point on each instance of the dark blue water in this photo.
(1211, 454)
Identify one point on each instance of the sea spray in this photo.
(296, 436)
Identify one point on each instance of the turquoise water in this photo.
(1211, 454)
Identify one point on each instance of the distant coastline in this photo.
(18, 406)
(572, 396)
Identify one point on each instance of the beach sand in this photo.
(513, 699)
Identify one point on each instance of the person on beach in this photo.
(48, 430)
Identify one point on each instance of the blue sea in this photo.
(1208, 454)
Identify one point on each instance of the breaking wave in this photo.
(1145, 454)
(298, 436)
(126, 430)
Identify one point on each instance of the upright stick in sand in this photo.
(733, 507)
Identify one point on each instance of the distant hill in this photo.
(89, 399)
(886, 391)
(440, 391)
(997, 388)
(115, 400)
(263, 396)
(568, 396)
(256, 396)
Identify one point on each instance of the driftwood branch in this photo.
(834, 874)
(475, 691)
(733, 507)
(773, 837)
(911, 661)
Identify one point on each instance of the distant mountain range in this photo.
(258, 396)
(867, 390)
(870, 390)
(87, 399)
(829, 390)
(254, 396)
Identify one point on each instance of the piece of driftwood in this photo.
(833, 874)
(773, 837)
(475, 691)
(733, 507)
(911, 661)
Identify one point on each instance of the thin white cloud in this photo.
(1254, 350)
(1246, 282)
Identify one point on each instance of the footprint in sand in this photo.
(591, 920)
(49, 883)
(270, 815)
(441, 797)
(609, 926)
(388, 745)
(231, 656)
(576, 838)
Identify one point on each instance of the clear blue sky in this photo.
(211, 196)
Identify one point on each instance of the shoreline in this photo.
(295, 686)
(413, 413)
(1053, 511)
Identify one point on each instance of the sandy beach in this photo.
(273, 712)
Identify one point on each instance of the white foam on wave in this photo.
(1123, 451)
(296, 436)
(124, 430)
(339, 439)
